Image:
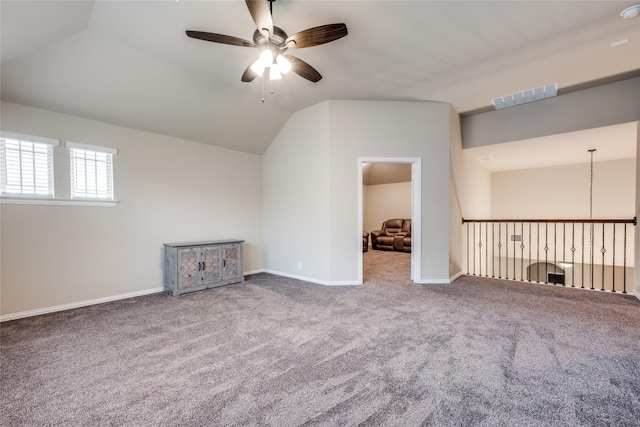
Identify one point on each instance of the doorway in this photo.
(416, 179)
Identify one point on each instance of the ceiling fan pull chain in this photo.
(263, 89)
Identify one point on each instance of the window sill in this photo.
(57, 202)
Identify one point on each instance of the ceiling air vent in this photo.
(525, 96)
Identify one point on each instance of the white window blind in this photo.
(91, 171)
(26, 165)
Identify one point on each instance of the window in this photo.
(35, 170)
(26, 165)
(91, 171)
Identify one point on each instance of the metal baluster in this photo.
(582, 256)
(506, 246)
(573, 254)
(613, 257)
(538, 254)
(546, 251)
(468, 272)
(522, 251)
(493, 249)
(480, 249)
(499, 251)
(603, 250)
(592, 254)
(514, 251)
(530, 245)
(474, 248)
(555, 250)
(624, 270)
(486, 249)
(564, 250)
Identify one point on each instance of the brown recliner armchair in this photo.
(395, 235)
(365, 241)
(402, 240)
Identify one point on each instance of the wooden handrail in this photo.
(576, 221)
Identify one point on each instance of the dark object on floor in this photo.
(365, 241)
(395, 235)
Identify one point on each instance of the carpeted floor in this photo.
(280, 352)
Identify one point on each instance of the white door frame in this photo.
(416, 210)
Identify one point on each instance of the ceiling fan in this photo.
(273, 42)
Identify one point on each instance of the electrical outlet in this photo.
(299, 266)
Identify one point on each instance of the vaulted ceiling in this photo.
(130, 63)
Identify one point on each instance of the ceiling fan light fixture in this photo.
(258, 67)
(266, 58)
(271, 41)
(274, 73)
(283, 64)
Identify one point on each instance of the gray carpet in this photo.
(276, 351)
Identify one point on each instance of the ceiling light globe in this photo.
(258, 67)
(283, 64)
(266, 58)
(274, 73)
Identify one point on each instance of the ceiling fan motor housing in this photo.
(277, 38)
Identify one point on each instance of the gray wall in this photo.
(605, 105)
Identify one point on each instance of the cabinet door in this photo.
(188, 267)
(231, 261)
(210, 256)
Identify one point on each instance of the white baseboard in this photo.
(55, 308)
(344, 283)
(294, 276)
(249, 273)
(455, 276)
(637, 294)
(432, 281)
(439, 281)
(312, 280)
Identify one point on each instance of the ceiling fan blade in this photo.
(317, 35)
(219, 38)
(249, 75)
(261, 15)
(303, 69)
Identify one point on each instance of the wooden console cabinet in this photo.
(193, 266)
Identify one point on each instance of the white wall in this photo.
(563, 191)
(296, 196)
(475, 192)
(389, 129)
(169, 190)
(318, 149)
(385, 201)
(457, 186)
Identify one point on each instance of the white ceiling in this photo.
(385, 173)
(131, 64)
(610, 142)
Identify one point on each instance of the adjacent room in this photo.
(319, 213)
(386, 202)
